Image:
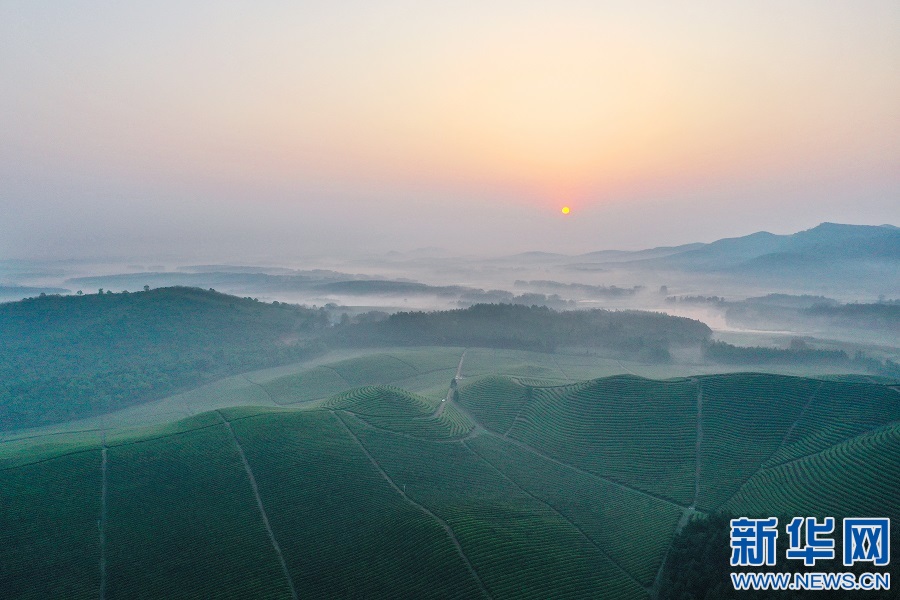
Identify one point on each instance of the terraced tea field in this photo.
(425, 371)
(524, 487)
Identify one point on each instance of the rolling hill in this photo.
(72, 357)
(508, 489)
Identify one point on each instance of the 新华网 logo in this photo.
(865, 540)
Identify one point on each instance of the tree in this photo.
(798, 344)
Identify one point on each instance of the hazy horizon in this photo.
(224, 132)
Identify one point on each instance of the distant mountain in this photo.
(830, 256)
(726, 252)
(856, 251)
(824, 244)
(830, 242)
(625, 255)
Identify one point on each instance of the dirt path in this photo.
(584, 534)
(459, 366)
(262, 509)
(102, 526)
(625, 486)
(564, 374)
(624, 368)
(691, 510)
(784, 440)
(479, 428)
(790, 431)
(687, 511)
(440, 409)
(653, 590)
(402, 493)
(699, 444)
(263, 388)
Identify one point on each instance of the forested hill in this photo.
(637, 334)
(64, 357)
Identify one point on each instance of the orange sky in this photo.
(529, 104)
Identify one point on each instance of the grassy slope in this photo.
(289, 385)
(344, 531)
(310, 381)
(49, 541)
(205, 539)
(538, 493)
(630, 430)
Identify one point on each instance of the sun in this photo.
(565, 210)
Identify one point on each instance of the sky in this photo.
(273, 129)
